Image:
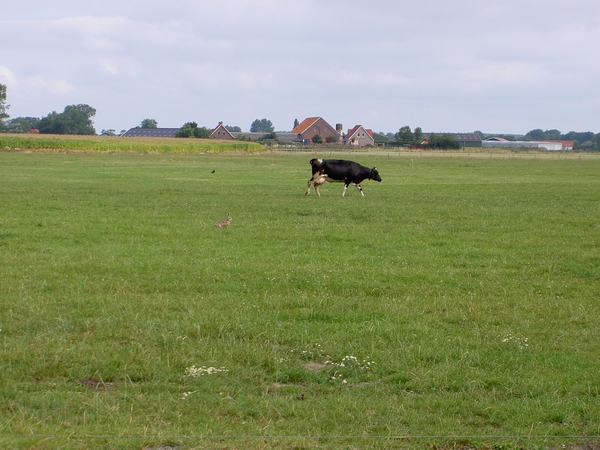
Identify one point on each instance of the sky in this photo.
(498, 66)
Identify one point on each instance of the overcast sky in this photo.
(499, 66)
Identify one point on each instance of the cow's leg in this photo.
(318, 181)
(359, 187)
(310, 182)
(344, 191)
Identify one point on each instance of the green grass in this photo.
(68, 143)
(455, 305)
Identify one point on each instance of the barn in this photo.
(151, 132)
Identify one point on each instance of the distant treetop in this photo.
(149, 123)
(262, 126)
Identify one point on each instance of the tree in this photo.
(202, 132)
(535, 135)
(21, 124)
(418, 136)
(191, 129)
(261, 126)
(149, 123)
(316, 139)
(443, 141)
(296, 123)
(233, 129)
(185, 132)
(75, 119)
(3, 105)
(539, 135)
(405, 135)
(331, 139)
(575, 136)
(589, 145)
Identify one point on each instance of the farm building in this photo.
(565, 145)
(498, 142)
(151, 132)
(359, 136)
(221, 132)
(312, 126)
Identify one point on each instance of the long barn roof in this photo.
(151, 132)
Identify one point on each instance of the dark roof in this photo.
(380, 138)
(461, 137)
(151, 132)
(288, 137)
(251, 136)
(282, 136)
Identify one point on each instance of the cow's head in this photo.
(374, 175)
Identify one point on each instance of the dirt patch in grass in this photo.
(97, 385)
(313, 367)
(587, 446)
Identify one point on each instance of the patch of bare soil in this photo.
(162, 447)
(313, 367)
(97, 384)
(587, 446)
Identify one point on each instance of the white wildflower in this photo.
(187, 394)
(194, 371)
(521, 343)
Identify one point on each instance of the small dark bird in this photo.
(224, 223)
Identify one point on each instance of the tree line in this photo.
(586, 140)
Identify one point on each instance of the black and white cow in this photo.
(340, 170)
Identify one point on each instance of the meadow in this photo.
(456, 305)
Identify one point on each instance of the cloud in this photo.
(7, 76)
(55, 87)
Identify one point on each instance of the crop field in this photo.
(68, 143)
(455, 306)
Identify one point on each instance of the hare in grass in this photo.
(224, 223)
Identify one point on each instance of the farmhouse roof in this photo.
(305, 125)
(151, 132)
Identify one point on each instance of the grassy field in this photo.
(455, 306)
(69, 143)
